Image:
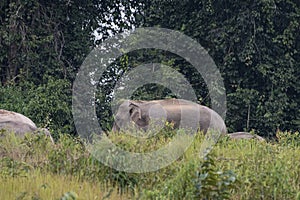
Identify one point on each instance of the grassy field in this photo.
(40, 185)
(33, 168)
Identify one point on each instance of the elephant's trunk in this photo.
(46, 132)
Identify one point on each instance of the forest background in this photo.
(255, 45)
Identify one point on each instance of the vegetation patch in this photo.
(32, 167)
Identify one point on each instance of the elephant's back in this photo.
(245, 135)
(16, 122)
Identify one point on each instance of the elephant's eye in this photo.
(131, 111)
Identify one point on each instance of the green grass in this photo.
(33, 168)
(41, 185)
(265, 170)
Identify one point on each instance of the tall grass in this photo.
(44, 185)
(33, 168)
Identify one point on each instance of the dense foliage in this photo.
(255, 45)
(42, 45)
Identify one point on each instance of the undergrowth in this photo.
(234, 169)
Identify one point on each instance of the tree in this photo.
(255, 45)
(52, 38)
(42, 46)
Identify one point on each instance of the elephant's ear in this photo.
(135, 111)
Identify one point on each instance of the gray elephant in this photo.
(245, 135)
(20, 124)
(180, 113)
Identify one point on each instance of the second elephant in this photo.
(20, 124)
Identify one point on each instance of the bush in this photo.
(288, 138)
(196, 181)
(48, 105)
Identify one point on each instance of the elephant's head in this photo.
(45, 132)
(131, 111)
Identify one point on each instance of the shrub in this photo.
(287, 138)
(47, 105)
(196, 181)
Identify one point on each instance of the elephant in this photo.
(180, 113)
(20, 124)
(245, 135)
